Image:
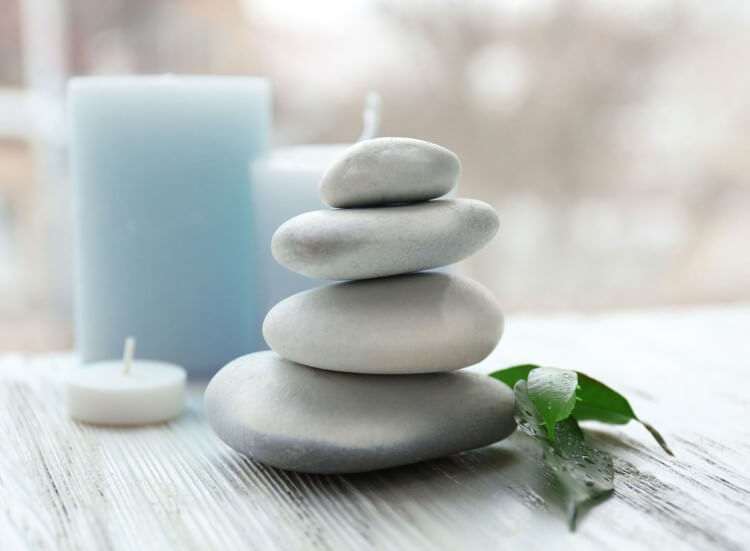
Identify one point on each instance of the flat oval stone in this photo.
(378, 242)
(304, 419)
(415, 323)
(389, 170)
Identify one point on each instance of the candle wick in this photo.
(370, 117)
(127, 355)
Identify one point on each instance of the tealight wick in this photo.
(127, 355)
(370, 117)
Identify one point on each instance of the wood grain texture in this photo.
(70, 486)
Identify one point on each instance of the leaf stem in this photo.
(657, 436)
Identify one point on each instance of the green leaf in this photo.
(553, 393)
(594, 400)
(511, 375)
(583, 474)
(598, 402)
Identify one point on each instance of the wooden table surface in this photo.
(69, 486)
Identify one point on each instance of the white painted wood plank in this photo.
(71, 486)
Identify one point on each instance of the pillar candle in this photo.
(164, 245)
(285, 184)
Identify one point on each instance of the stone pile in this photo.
(363, 374)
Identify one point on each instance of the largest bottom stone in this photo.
(304, 419)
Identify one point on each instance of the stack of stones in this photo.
(363, 374)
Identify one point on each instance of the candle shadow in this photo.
(190, 416)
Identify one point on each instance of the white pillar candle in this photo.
(127, 391)
(285, 184)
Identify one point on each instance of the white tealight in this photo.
(126, 392)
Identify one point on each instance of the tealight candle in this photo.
(127, 392)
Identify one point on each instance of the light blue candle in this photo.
(162, 206)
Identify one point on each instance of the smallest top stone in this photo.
(384, 171)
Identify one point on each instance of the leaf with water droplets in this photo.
(553, 393)
(582, 474)
(595, 401)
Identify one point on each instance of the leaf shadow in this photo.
(613, 442)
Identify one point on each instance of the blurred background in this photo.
(612, 137)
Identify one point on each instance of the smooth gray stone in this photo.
(377, 242)
(415, 323)
(389, 170)
(304, 419)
